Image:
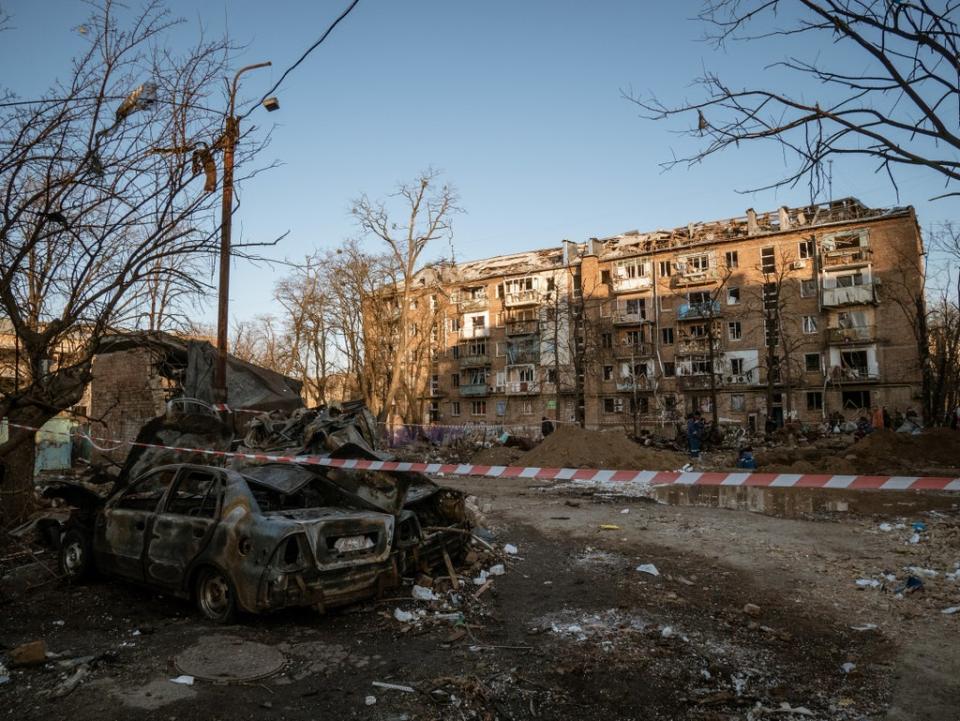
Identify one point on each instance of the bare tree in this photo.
(893, 100)
(90, 214)
(428, 207)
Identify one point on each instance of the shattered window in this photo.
(197, 494)
(146, 492)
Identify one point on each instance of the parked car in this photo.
(261, 538)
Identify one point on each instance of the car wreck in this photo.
(255, 536)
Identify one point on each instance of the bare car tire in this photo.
(215, 596)
(76, 557)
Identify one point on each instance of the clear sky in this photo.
(517, 102)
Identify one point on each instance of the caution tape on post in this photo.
(602, 475)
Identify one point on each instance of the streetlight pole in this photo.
(230, 137)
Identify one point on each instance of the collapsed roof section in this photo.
(634, 242)
(190, 364)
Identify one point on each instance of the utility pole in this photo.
(230, 137)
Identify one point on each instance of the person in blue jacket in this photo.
(694, 434)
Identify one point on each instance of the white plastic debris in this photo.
(868, 582)
(648, 568)
(915, 538)
(886, 527)
(848, 667)
(917, 571)
(666, 632)
(59, 623)
(510, 549)
(403, 616)
(183, 680)
(497, 570)
(422, 593)
(394, 686)
(864, 627)
(950, 611)
(625, 511)
(370, 700)
(481, 579)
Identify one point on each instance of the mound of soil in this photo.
(497, 456)
(879, 452)
(573, 447)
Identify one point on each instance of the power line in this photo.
(303, 57)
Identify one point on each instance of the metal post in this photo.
(230, 137)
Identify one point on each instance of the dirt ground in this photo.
(572, 630)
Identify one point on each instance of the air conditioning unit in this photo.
(798, 264)
(729, 379)
(742, 379)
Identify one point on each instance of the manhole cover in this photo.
(229, 659)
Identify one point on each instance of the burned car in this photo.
(260, 537)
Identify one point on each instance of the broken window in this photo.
(666, 336)
(697, 263)
(526, 408)
(478, 408)
(147, 492)
(733, 259)
(854, 363)
(606, 340)
(665, 269)
(809, 324)
(608, 373)
(197, 494)
(698, 330)
(811, 362)
(669, 369)
(768, 260)
(605, 277)
(734, 330)
(633, 338)
(636, 306)
(814, 400)
(733, 296)
(805, 249)
(849, 280)
(737, 402)
(736, 366)
(855, 400)
(808, 288)
(613, 405)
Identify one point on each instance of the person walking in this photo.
(546, 426)
(694, 434)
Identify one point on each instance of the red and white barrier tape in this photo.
(651, 478)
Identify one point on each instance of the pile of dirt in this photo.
(497, 456)
(879, 452)
(574, 447)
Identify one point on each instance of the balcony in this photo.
(851, 295)
(475, 332)
(696, 381)
(858, 334)
(696, 311)
(467, 305)
(517, 299)
(700, 277)
(474, 360)
(697, 346)
(845, 257)
(474, 389)
(624, 317)
(518, 356)
(522, 327)
(634, 350)
(640, 282)
(639, 383)
(522, 388)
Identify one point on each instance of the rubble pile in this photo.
(574, 447)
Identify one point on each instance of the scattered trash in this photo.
(66, 687)
(928, 572)
(625, 511)
(424, 594)
(868, 582)
(609, 527)
(950, 611)
(885, 527)
(58, 623)
(497, 570)
(666, 632)
(865, 627)
(848, 667)
(407, 616)
(919, 526)
(910, 585)
(183, 680)
(481, 579)
(915, 538)
(370, 700)
(510, 549)
(394, 687)
(648, 568)
(29, 654)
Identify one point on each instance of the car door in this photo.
(122, 528)
(184, 526)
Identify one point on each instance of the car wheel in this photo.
(215, 596)
(75, 558)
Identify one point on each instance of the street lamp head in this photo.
(271, 104)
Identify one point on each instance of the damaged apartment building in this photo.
(796, 313)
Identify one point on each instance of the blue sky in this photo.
(518, 103)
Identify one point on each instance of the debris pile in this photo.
(574, 447)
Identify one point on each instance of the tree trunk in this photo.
(16, 482)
